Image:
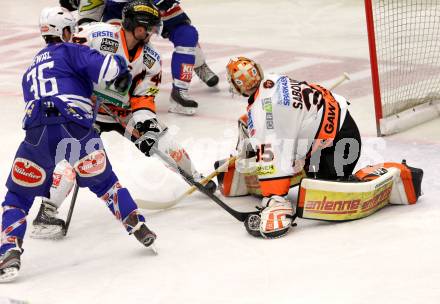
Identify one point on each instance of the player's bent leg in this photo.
(185, 38)
(202, 69)
(46, 224)
(95, 172)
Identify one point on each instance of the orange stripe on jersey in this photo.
(124, 45)
(279, 186)
(330, 120)
(143, 102)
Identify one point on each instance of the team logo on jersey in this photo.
(26, 173)
(102, 34)
(109, 45)
(267, 104)
(149, 61)
(268, 84)
(92, 165)
(186, 71)
(285, 100)
(269, 120)
(266, 170)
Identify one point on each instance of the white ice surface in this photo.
(205, 256)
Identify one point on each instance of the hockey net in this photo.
(404, 39)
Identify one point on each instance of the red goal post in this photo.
(404, 42)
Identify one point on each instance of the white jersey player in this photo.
(293, 125)
(136, 106)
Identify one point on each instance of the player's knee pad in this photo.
(120, 202)
(62, 182)
(184, 35)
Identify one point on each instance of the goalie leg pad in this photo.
(231, 183)
(407, 181)
(376, 186)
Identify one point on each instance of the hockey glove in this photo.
(71, 5)
(276, 218)
(149, 131)
(123, 81)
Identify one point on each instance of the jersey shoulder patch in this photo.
(152, 59)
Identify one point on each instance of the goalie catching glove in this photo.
(274, 220)
(149, 131)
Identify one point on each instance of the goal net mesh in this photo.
(407, 34)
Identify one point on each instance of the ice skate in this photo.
(46, 225)
(206, 75)
(141, 232)
(181, 103)
(10, 265)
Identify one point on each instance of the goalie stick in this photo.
(240, 216)
(154, 205)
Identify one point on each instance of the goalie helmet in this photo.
(244, 75)
(140, 13)
(53, 20)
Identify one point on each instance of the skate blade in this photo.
(47, 233)
(153, 249)
(9, 274)
(178, 109)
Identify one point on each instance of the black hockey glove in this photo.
(165, 5)
(71, 5)
(149, 131)
(123, 81)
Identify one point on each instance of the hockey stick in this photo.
(72, 205)
(240, 216)
(152, 205)
(338, 82)
(134, 132)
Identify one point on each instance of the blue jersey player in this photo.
(187, 56)
(58, 125)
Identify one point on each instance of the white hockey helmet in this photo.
(53, 20)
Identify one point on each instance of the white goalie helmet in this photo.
(54, 19)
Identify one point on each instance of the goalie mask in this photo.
(244, 75)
